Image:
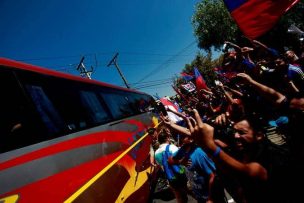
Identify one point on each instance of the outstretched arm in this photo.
(203, 134)
(178, 128)
(293, 87)
(236, 92)
(176, 112)
(272, 95)
(236, 47)
(227, 95)
(256, 42)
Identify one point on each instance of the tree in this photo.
(213, 25)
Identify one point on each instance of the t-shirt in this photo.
(162, 148)
(296, 75)
(200, 161)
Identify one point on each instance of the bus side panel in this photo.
(130, 172)
(66, 141)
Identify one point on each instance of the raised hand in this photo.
(202, 132)
(221, 120)
(165, 119)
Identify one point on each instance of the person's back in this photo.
(177, 182)
(200, 173)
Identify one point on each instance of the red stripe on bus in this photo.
(59, 187)
(95, 138)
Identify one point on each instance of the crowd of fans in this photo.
(225, 139)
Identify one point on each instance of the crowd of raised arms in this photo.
(244, 135)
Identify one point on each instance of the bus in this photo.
(70, 139)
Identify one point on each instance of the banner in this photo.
(189, 87)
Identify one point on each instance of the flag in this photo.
(168, 103)
(186, 76)
(199, 80)
(255, 17)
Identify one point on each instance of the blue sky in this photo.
(154, 38)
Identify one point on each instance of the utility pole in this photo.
(114, 62)
(83, 71)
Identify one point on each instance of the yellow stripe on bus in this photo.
(10, 199)
(98, 175)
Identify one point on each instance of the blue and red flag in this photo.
(199, 80)
(255, 17)
(186, 76)
(168, 103)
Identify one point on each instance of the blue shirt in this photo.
(200, 161)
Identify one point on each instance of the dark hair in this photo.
(151, 130)
(255, 121)
(162, 137)
(282, 57)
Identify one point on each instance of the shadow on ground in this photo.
(165, 195)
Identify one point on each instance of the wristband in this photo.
(217, 151)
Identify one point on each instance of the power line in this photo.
(50, 58)
(153, 85)
(151, 81)
(145, 87)
(150, 54)
(96, 63)
(167, 61)
(71, 66)
(92, 54)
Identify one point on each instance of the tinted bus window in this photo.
(46, 109)
(64, 106)
(124, 104)
(118, 102)
(96, 111)
(19, 125)
(140, 103)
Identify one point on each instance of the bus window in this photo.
(95, 110)
(19, 125)
(141, 102)
(65, 106)
(118, 102)
(137, 103)
(67, 99)
(46, 109)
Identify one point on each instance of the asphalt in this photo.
(166, 196)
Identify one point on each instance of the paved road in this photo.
(163, 194)
(167, 196)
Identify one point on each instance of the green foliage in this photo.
(213, 25)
